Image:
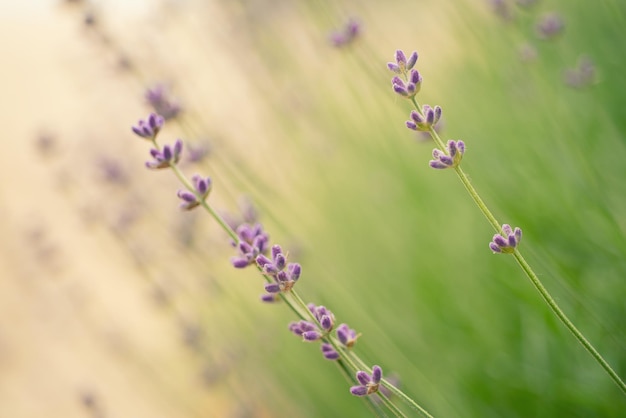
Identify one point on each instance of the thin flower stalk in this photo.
(195, 195)
(401, 68)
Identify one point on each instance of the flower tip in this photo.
(358, 390)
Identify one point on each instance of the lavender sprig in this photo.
(551, 25)
(316, 322)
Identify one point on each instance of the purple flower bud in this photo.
(262, 261)
(329, 352)
(415, 77)
(294, 270)
(411, 61)
(394, 67)
(369, 383)
(272, 288)
(400, 58)
(363, 377)
(280, 261)
(189, 200)
(186, 196)
(358, 390)
(377, 374)
(507, 241)
(402, 65)
(276, 250)
(346, 336)
(270, 298)
(311, 336)
(167, 157)
(449, 159)
(326, 322)
(149, 128)
(239, 262)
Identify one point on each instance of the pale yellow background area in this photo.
(75, 326)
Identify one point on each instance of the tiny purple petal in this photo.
(400, 57)
(186, 196)
(272, 288)
(363, 377)
(436, 164)
(358, 390)
(326, 322)
(394, 67)
(269, 298)
(494, 247)
(311, 335)
(262, 260)
(411, 61)
(294, 271)
(499, 240)
(377, 374)
(239, 262)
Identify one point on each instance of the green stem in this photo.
(392, 407)
(527, 269)
(299, 301)
(565, 320)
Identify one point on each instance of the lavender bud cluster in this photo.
(506, 242)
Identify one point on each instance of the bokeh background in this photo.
(116, 304)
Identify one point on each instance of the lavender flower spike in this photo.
(449, 159)
(149, 128)
(167, 157)
(369, 383)
(506, 242)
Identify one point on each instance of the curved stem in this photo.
(565, 320)
(545, 294)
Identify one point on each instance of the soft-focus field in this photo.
(116, 304)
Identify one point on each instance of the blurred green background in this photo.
(315, 137)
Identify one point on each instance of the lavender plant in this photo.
(316, 323)
(406, 83)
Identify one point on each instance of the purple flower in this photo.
(402, 65)
(167, 157)
(329, 352)
(161, 103)
(285, 275)
(424, 120)
(149, 128)
(202, 187)
(347, 336)
(324, 317)
(252, 242)
(368, 383)
(507, 242)
(409, 88)
(307, 330)
(451, 158)
(550, 25)
(346, 35)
